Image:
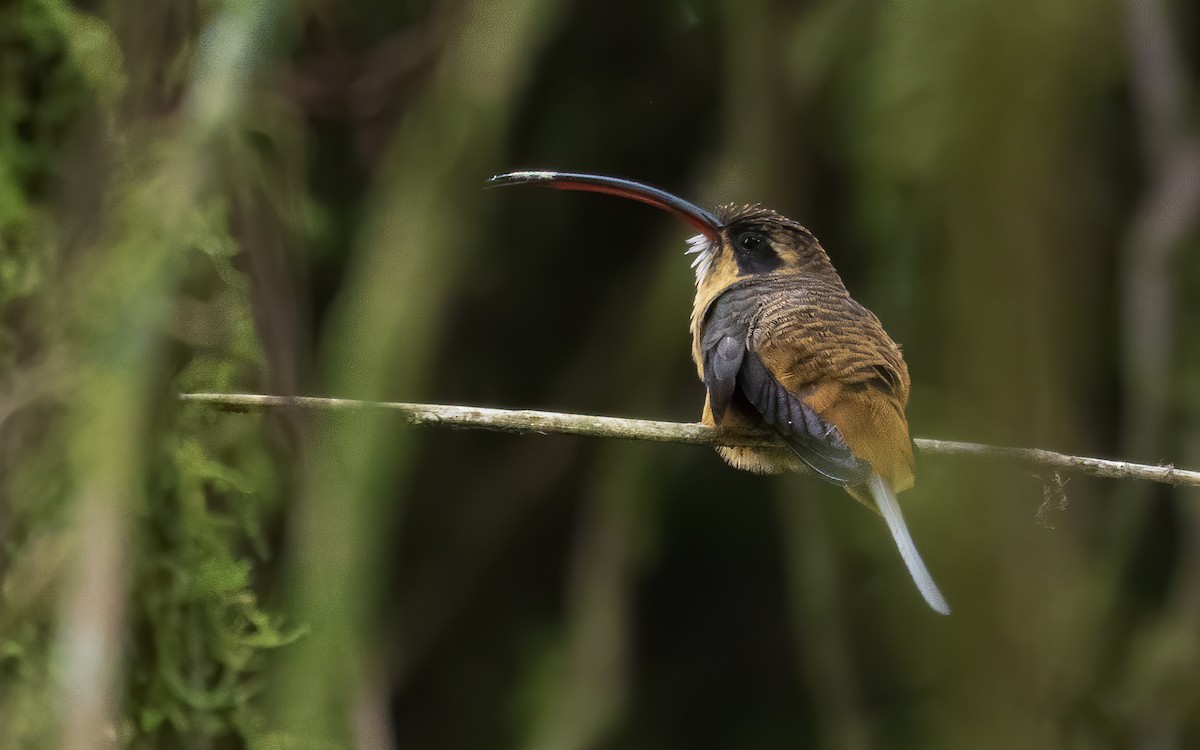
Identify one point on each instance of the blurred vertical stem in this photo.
(584, 703)
(417, 236)
(824, 643)
(1168, 214)
(749, 165)
(1155, 691)
(122, 300)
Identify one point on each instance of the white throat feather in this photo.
(702, 247)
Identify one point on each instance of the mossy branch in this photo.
(526, 421)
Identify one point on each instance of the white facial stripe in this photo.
(702, 247)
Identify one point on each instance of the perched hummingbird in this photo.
(779, 342)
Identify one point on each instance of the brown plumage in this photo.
(779, 342)
(816, 341)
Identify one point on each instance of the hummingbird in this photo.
(780, 344)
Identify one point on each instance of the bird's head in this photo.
(734, 243)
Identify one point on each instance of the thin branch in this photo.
(526, 421)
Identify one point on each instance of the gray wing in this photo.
(732, 365)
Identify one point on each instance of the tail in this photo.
(890, 509)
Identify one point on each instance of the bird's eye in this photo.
(751, 241)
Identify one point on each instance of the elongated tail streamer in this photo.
(885, 500)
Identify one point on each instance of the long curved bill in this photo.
(705, 222)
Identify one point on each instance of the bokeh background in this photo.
(261, 196)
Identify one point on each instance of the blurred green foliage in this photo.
(229, 195)
(195, 633)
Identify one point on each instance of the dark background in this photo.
(287, 198)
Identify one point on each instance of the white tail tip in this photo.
(886, 502)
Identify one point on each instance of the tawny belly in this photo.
(757, 460)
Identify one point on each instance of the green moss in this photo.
(196, 632)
